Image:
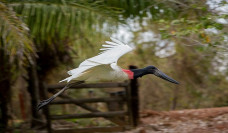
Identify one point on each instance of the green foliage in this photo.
(196, 50)
(15, 40)
(54, 26)
(62, 18)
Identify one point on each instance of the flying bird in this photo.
(103, 68)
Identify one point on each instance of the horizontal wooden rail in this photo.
(92, 85)
(91, 130)
(87, 100)
(89, 115)
(89, 108)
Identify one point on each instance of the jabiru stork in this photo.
(103, 68)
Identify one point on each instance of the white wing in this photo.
(111, 52)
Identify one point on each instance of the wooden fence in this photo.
(124, 118)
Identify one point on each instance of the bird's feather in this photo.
(111, 52)
(102, 73)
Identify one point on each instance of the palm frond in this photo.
(14, 36)
(46, 19)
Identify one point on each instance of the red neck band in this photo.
(129, 73)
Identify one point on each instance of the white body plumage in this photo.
(102, 67)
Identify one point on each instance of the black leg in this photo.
(44, 102)
(47, 101)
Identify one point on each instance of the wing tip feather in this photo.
(112, 44)
(117, 41)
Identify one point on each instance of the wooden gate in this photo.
(124, 118)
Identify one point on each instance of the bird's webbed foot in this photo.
(44, 102)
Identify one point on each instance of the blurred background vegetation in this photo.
(41, 39)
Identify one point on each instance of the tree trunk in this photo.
(33, 89)
(5, 97)
(4, 104)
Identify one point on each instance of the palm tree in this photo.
(33, 32)
(16, 48)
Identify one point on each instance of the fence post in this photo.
(134, 99)
(44, 91)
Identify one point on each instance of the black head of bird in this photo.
(152, 70)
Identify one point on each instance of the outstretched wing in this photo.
(111, 52)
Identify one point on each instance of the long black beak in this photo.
(164, 76)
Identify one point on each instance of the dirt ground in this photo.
(211, 120)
